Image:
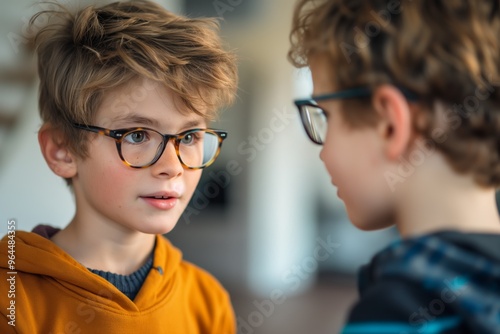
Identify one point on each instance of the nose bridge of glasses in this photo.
(176, 142)
(168, 138)
(163, 146)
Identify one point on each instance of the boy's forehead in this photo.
(145, 102)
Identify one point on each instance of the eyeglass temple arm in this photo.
(96, 129)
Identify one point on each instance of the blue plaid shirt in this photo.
(447, 282)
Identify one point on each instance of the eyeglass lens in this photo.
(315, 123)
(196, 149)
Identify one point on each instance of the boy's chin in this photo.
(161, 228)
(372, 222)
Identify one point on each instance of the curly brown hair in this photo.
(83, 55)
(447, 52)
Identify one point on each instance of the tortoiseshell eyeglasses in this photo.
(142, 147)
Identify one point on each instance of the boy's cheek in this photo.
(328, 149)
(327, 159)
(109, 178)
(191, 180)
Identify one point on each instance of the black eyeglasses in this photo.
(314, 117)
(142, 147)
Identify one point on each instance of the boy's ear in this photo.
(56, 154)
(395, 120)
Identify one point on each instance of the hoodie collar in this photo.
(36, 254)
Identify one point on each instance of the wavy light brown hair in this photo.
(447, 52)
(83, 55)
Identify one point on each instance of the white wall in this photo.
(29, 191)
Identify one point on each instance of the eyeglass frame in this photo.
(119, 134)
(357, 92)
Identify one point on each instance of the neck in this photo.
(107, 247)
(441, 200)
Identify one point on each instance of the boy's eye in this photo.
(136, 137)
(190, 138)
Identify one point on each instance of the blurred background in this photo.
(264, 220)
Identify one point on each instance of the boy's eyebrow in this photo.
(135, 118)
(192, 124)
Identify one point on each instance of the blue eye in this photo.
(136, 137)
(188, 139)
(192, 138)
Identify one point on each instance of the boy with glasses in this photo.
(406, 104)
(126, 94)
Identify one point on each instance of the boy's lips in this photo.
(163, 200)
(162, 195)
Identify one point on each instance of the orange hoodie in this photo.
(51, 293)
